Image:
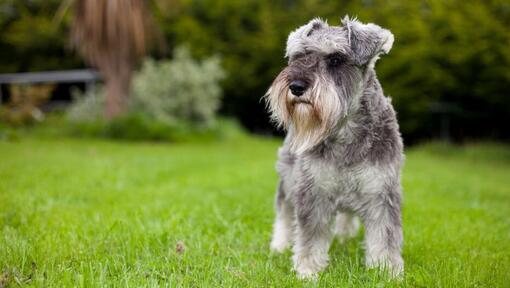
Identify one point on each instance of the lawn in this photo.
(103, 213)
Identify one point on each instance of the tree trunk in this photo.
(117, 93)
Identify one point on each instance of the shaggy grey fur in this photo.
(343, 152)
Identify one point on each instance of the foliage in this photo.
(30, 40)
(91, 213)
(86, 107)
(182, 89)
(450, 58)
(24, 104)
(170, 99)
(139, 127)
(179, 90)
(111, 34)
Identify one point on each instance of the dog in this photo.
(343, 152)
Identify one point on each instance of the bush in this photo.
(452, 53)
(87, 107)
(23, 107)
(179, 90)
(137, 127)
(170, 99)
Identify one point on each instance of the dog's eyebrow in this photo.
(298, 55)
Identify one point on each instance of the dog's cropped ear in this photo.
(367, 41)
(298, 37)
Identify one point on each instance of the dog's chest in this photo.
(348, 184)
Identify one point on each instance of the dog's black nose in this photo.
(298, 87)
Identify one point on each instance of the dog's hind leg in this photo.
(346, 226)
(282, 228)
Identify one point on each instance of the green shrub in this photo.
(23, 106)
(137, 127)
(179, 90)
(171, 101)
(87, 107)
(171, 92)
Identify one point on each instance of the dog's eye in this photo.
(334, 60)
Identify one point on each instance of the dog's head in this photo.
(324, 77)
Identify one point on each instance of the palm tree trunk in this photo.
(117, 93)
(112, 35)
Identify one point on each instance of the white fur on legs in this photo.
(311, 258)
(346, 226)
(393, 264)
(383, 239)
(282, 234)
(379, 256)
(308, 266)
(313, 238)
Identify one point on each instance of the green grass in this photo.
(99, 213)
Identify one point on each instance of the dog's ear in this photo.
(313, 25)
(301, 34)
(367, 41)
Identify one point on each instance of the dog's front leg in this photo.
(383, 234)
(282, 228)
(314, 214)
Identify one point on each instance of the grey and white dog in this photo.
(342, 155)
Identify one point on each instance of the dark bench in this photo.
(87, 76)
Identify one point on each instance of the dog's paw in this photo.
(307, 275)
(279, 245)
(280, 241)
(308, 267)
(394, 268)
(397, 271)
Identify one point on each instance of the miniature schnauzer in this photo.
(342, 155)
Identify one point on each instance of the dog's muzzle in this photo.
(298, 87)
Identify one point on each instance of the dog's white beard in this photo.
(305, 128)
(310, 124)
